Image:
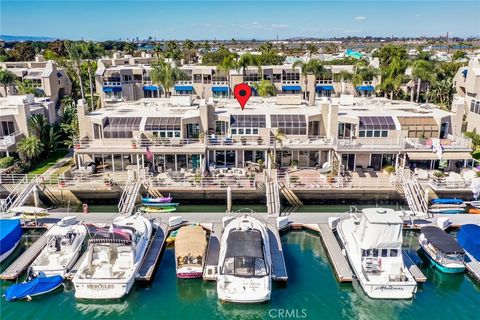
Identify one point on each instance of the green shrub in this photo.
(389, 169)
(438, 174)
(6, 162)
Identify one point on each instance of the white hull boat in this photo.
(245, 263)
(64, 244)
(373, 245)
(114, 257)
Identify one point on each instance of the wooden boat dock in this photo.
(342, 269)
(413, 268)
(213, 251)
(25, 260)
(154, 252)
(279, 272)
(472, 266)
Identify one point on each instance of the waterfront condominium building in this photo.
(467, 85)
(347, 132)
(48, 80)
(121, 80)
(15, 112)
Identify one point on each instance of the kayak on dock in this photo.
(159, 209)
(447, 201)
(447, 211)
(35, 287)
(157, 200)
(170, 204)
(474, 211)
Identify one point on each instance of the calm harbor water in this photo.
(312, 292)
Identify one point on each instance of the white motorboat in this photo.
(64, 244)
(373, 245)
(245, 263)
(115, 254)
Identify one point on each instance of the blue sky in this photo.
(114, 19)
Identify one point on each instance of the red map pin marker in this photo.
(242, 93)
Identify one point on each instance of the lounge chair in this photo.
(360, 172)
(372, 172)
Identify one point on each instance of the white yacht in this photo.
(64, 244)
(114, 256)
(373, 244)
(245, 263)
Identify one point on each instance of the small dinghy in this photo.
(35, 287)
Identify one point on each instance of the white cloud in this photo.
(279, 26)
(360, 18)
(352, 31)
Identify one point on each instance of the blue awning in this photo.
(183, 88)
(324, 88)
(220, 89)
(150, 88)
(112, 89)
(291, 88)
(365, 88)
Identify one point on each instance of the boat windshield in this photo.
(245, 267)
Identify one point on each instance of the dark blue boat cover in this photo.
(469, 238)
(441, 240)
(37, 286)
(447, 201)
(10, 233)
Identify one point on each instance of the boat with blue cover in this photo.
(37, 286)
(469, 238)
(442, 250)
(10, 236)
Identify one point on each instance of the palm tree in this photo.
(75, 55)
(129, 48)
(38, 123)
(393, 74)
(312, 49)
(331, 48)
(343, 76)
(442, 92)
(245, 60)
(158, 50)
(165, 75)
(188, 47)
(30, 147)
(91, 52)
(206, 46)
(6, 79)
(228, 63)
(312, 67)
(265, 88)
(363, 73)
(423, 70)
(267, 48)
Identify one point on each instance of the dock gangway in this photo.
(411, 190)
(129, 196)
(19, 194)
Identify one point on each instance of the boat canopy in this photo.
(105, 235)
(441, 240)
(244, 243)
(379, 228)
(469, 238)
(190, 241)
(11, 232)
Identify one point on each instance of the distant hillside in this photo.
(9, 38)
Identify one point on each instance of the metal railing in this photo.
(457, 182)
(369, 144)
(199, 182)
(9, 140)
(451, 143)
(134, 143)
(338, 182)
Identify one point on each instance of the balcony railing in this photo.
(7, 141)
(296, 182)
(184, 82)
(451, 143)
(112, 83)
(324, 81)
(369, 144)
(133, 143)
(291, 82)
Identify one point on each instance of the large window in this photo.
(289, 124)
(375, 126)
(8, 128)
(251, 76)
(475, 107)
(346, 130)
(165, 127)
(419, 127)
(291, 75)
(221, 127)
(121, 127)
(246, 124)
(193, 130)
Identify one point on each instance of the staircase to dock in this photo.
(408, 186)
(19, 194)
(289, 195)
(126, 205)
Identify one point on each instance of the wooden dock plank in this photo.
(413, 268)
(152, 257)
(279, 272)
(213, 252)
(23, 262)
(473, 266)
(342, 269)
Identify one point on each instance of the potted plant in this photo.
(260, 165)
(294, 164)
(243, 140)
(201, 137)
(259, 140)
(331, 178)
(389, 170)
(134, 144)
(438, 174)
(108, 182)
